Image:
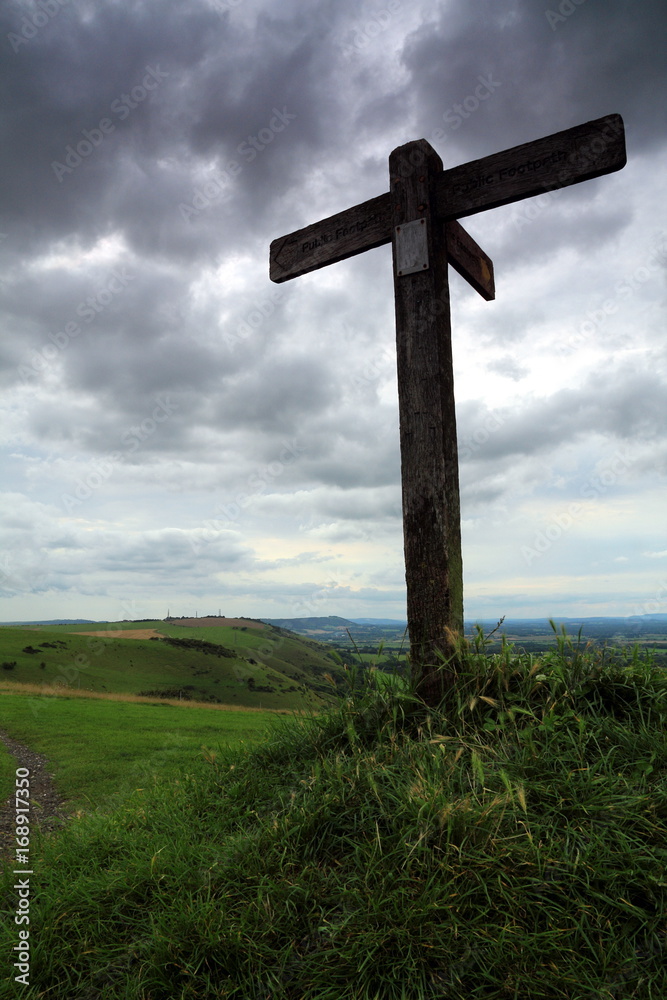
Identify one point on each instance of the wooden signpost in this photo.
(418, 217)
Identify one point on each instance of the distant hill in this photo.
(340, 630)
(380, 621)
(309, 624)
(247, 664)
(535, 635)
(56, 621)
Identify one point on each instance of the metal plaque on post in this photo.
(411, 247)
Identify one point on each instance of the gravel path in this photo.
(47, 808)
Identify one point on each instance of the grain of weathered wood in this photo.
(469, 260)
(427, 419)
(557, 161)
(363, 227)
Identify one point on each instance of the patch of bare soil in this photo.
(47, 808)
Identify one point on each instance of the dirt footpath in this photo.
(47, 809)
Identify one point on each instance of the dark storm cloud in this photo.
(276, 396)
(113, 111)
(539, 73)
(80, 70)
(484, 76)
(150, 123)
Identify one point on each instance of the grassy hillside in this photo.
(100, 749)
(243, 665)
(511, 845)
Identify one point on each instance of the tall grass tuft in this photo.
(510, 845)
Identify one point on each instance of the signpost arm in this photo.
(419, 216)
(429, 458)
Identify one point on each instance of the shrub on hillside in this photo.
(175, 692)
(201, 645)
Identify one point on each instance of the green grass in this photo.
(511, 845)
(268, 670)
(99, 748)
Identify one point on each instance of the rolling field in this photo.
(509, 843)
(115, 704)
(251, 664)
(102, 749)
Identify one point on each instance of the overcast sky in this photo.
(179, 433)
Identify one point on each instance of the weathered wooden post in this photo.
(418, 216)
(429, 454)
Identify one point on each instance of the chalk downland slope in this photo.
(244, 663)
